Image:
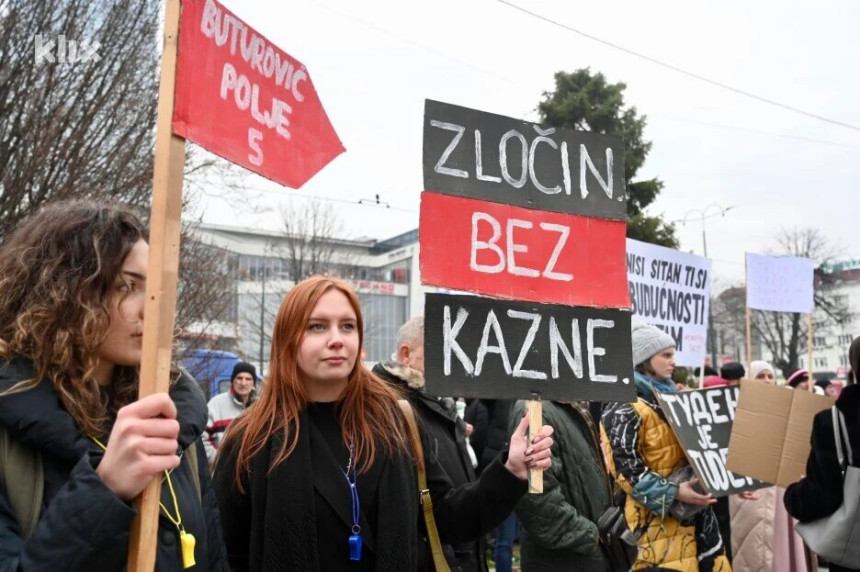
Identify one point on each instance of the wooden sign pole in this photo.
(748, 318)
(809, 365)
(162, 279)
(749, 340)
(535, 423)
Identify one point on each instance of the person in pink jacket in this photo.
(763, 536)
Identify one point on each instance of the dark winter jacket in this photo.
(274, 524)
(445, 442)
(83, 525)
(497, 436)
(819, 493)
(558, 528)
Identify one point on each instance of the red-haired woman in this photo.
(319, 474)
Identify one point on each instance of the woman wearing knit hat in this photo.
(763, 536)
(762, 371)
(643, 452)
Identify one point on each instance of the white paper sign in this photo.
(779, 283)
(671, 290)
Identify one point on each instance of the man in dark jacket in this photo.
(442, 432)
(558, 529)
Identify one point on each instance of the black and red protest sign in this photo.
(524, 254)
(241, 97)
(517, 210)
(702, 420)
(500, 349)
(533, 216)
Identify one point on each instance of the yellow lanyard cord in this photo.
(186, 539)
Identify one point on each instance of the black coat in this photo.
(273, 524)
(497, 436)
(819, 494)
(444, 440)
(82, 524)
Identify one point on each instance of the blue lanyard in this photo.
(352, 481)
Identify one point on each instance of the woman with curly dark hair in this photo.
(72, 279)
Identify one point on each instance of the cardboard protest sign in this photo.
(479, 155)
(772, 430)
(779, 283)
(513, 252)
(702, 420)
(498, 349)
(671, 290)
(243, 98)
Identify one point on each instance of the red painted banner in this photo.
(243, 98)
(522, 254)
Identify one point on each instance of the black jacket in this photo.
(273, 524)
(444, 440)
(497, 437)
(819, 494)
(82, 524)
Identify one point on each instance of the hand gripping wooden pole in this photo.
(162, 278)
(535, 423)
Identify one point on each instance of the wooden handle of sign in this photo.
(535, 423)
(748, 318)
(749, 341)
(162, 279)
(810, 385)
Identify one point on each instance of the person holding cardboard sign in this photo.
(71, 323)
(643, 456)
(762, 532)
(320, 474)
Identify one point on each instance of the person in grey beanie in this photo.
(642, 453)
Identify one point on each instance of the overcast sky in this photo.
(374, 62)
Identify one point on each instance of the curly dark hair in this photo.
(56, 274)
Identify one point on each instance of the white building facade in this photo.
(384, 273)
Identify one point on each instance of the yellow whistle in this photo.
(186, 539)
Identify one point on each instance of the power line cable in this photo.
(680, 70)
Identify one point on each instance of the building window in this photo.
(821, 362)
(845, 339)
(819, 341)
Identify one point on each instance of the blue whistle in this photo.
(355, 547)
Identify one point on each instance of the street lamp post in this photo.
(709, 211)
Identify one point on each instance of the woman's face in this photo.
(766, 376)
(123, 344)
(330, 343)
(663, 364)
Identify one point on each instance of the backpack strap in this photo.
(191, 455)
(22, 474)
(839, 426)
(439, 562)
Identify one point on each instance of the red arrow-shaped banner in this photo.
(241, 97)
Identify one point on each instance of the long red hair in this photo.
(367, 408)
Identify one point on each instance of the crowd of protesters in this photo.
(317, 470)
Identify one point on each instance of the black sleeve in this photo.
(476, 414)
(819, 493)
(84, 523)
(471, 510)
(214, 534)
(235, 509)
